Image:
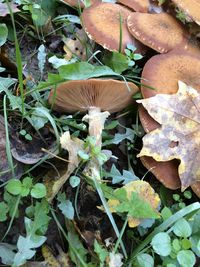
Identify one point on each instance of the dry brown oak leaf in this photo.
(179, 134)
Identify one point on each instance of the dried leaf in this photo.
(72, 145)
(61, 260)
(76, 45)
(5, 11)
(179, 134)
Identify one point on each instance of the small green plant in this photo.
(25, 187)
(178, 245)
(181, 15)
(26, 135)
(131, 55)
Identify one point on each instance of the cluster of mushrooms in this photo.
(145, 25)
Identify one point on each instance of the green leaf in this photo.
(5, 83)
(83, 71)
(7, 253)
(135, 206)
(117, 177)
(66, 206)
(176, 244)
(166, 213)
(195, 223)
(116, 61)
(25, 249)
(38, 191)
(186, 258)
(76, 243)
(11, 202)
(34, 233)
(137, 56)
(195, 243)
(101, 252)
(83, 155)
(161, 244)
(118, 138)
(74, 181)
(182, 228)
(67, 209)
(38, 119)
(111, 125)
(23, 132)
(27, 182)
(3, 33)
(3, 211)
(14, 187)
(186, 244)
(144, 260)
(52, 80)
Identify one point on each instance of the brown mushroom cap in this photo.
(163, 72)
(161, 31)
(136, 5)
(190, 7)
(165, 172)
(108, 95)
(101, 22)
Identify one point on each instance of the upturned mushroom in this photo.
(102, 22)
(93, 96)
(161, 31)
(190, 8)
(163, 72)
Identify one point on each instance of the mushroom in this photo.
(161, 31)
(102, 21)
(136, 5)
(162, 72)
(189, 7)
(93, 96)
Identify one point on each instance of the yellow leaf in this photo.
(145, 191)
(179, 134)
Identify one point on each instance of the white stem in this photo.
(96, 120)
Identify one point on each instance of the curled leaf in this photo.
(179, 134)
(72, 145)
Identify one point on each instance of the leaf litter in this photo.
(179, 134)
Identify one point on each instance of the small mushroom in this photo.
(189, 7)
(92, 96)
(161, 31)
(102, 21)
(136, 5)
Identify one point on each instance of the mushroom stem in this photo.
(96, 120)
